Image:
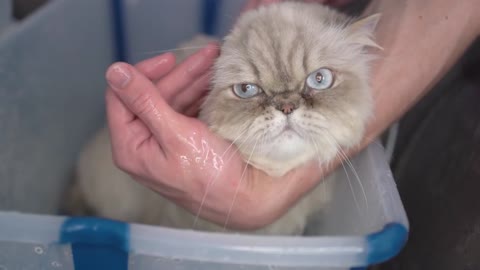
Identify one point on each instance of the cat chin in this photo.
(281, 155)
(279, 168)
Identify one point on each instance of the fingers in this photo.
(267, 2)
(338, 3)
(193, 109)
(157, 67)
(183, 77)
(334, 3)
(188, 71)
(142, 99)
(192, 94)
(126, 131)
(136, 109)
(119, 116)
(253, 4)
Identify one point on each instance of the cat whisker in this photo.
(344, 169)
(350, 164)
(242, 143)
(350, 184)
(234, 141)
(229, 15)
(211, 182)
(172, 50)
(214, 179)
(344, 156)
(180, 49)
(238, 186)
(317, 149)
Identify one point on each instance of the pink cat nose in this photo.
(286, 108)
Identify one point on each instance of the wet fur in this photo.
(276, 47)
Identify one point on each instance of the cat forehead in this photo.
(282, 43)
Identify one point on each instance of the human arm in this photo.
(421, 41)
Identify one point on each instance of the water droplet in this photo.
(67, 252)
(38, 250)
(160, 260)
(56, 264)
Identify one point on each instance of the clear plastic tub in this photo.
(46, 86)
(354, 232)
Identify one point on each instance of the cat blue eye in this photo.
(246, 90)
(320, 79)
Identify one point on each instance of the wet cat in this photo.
(291, 84)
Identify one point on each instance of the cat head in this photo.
(291, 84)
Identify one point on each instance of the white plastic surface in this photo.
(5, 15)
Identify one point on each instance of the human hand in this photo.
(159, 145)
(253, 4)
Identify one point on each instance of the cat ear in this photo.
(363, 29)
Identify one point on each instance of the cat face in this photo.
(291, 85)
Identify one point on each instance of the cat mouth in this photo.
(289, 131)
(288, 127)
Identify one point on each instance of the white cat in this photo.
(292, 80)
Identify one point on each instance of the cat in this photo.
(292, 80)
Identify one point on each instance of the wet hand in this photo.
(253, 4)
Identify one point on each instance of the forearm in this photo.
(421, 41)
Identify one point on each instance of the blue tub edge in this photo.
(386, 243)
(96, 243)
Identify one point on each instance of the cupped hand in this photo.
(253, 4)
(156, 139)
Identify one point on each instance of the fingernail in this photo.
(207, 52)
(210, 49)
(118, 76)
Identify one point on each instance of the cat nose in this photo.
(286, 108)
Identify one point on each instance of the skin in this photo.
(152, 132)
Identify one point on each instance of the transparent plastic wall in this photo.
(52, 84)
(154, 26)
(52, 67)
(5, 14)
